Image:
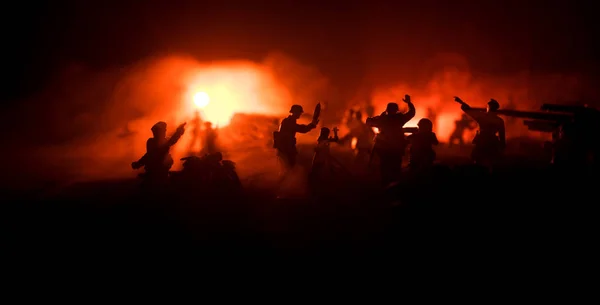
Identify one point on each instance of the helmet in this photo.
(160, 126)
(296, 109)
(425, 124)
(392, 108)
(493, 104)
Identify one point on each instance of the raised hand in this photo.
(181, 128)
(406, 98)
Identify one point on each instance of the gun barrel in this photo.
(541, 125)
(537, 115)
(410, 129)
(564, 108)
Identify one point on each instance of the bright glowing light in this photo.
(201, 99)
(354, 142)
(241, 88)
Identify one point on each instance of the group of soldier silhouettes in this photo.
(390, 143)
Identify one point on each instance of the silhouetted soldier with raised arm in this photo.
(390, 143)
(322, 158)
(422, 154)
(285, 138)
(491, 138)
(158, 161)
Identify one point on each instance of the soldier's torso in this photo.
(490, 126)
(390, 134)
(287, 134)
(158, 157)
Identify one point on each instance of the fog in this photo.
(92, 124)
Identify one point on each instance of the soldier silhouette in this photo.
(460, 126)
(491, 138)
(158, 161)
(422, 154)
(196, 133)
(285, 138)
(390, 143)
(322, 159)
(210, 138)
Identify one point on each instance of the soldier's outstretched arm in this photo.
(177, 135)
(142, 161)
(301, 128)
(412, 111)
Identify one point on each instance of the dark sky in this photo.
(347, 40)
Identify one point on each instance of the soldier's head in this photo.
(208, 125)
(392, 108)
(159, 130)
(425, 125)
(358, 115)
(296, 111)
(492, 105)
(324, 133)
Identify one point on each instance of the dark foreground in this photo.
(518, 213)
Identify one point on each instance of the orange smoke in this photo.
(222, 90)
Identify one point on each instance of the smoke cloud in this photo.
(449, 75)
(92, 125)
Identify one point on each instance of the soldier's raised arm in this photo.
(301, 128)
(335, 137)
(475, 114)
(177, 135)
(411, 108)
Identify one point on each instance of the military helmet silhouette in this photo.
(296, 109)
(493, 104)
(392, 108)
(425, 124)
(159, 126)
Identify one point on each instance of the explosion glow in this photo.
(224, 90)
(201, 99)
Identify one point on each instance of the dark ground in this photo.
(523, 211)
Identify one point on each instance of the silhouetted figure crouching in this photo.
(158, 161)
